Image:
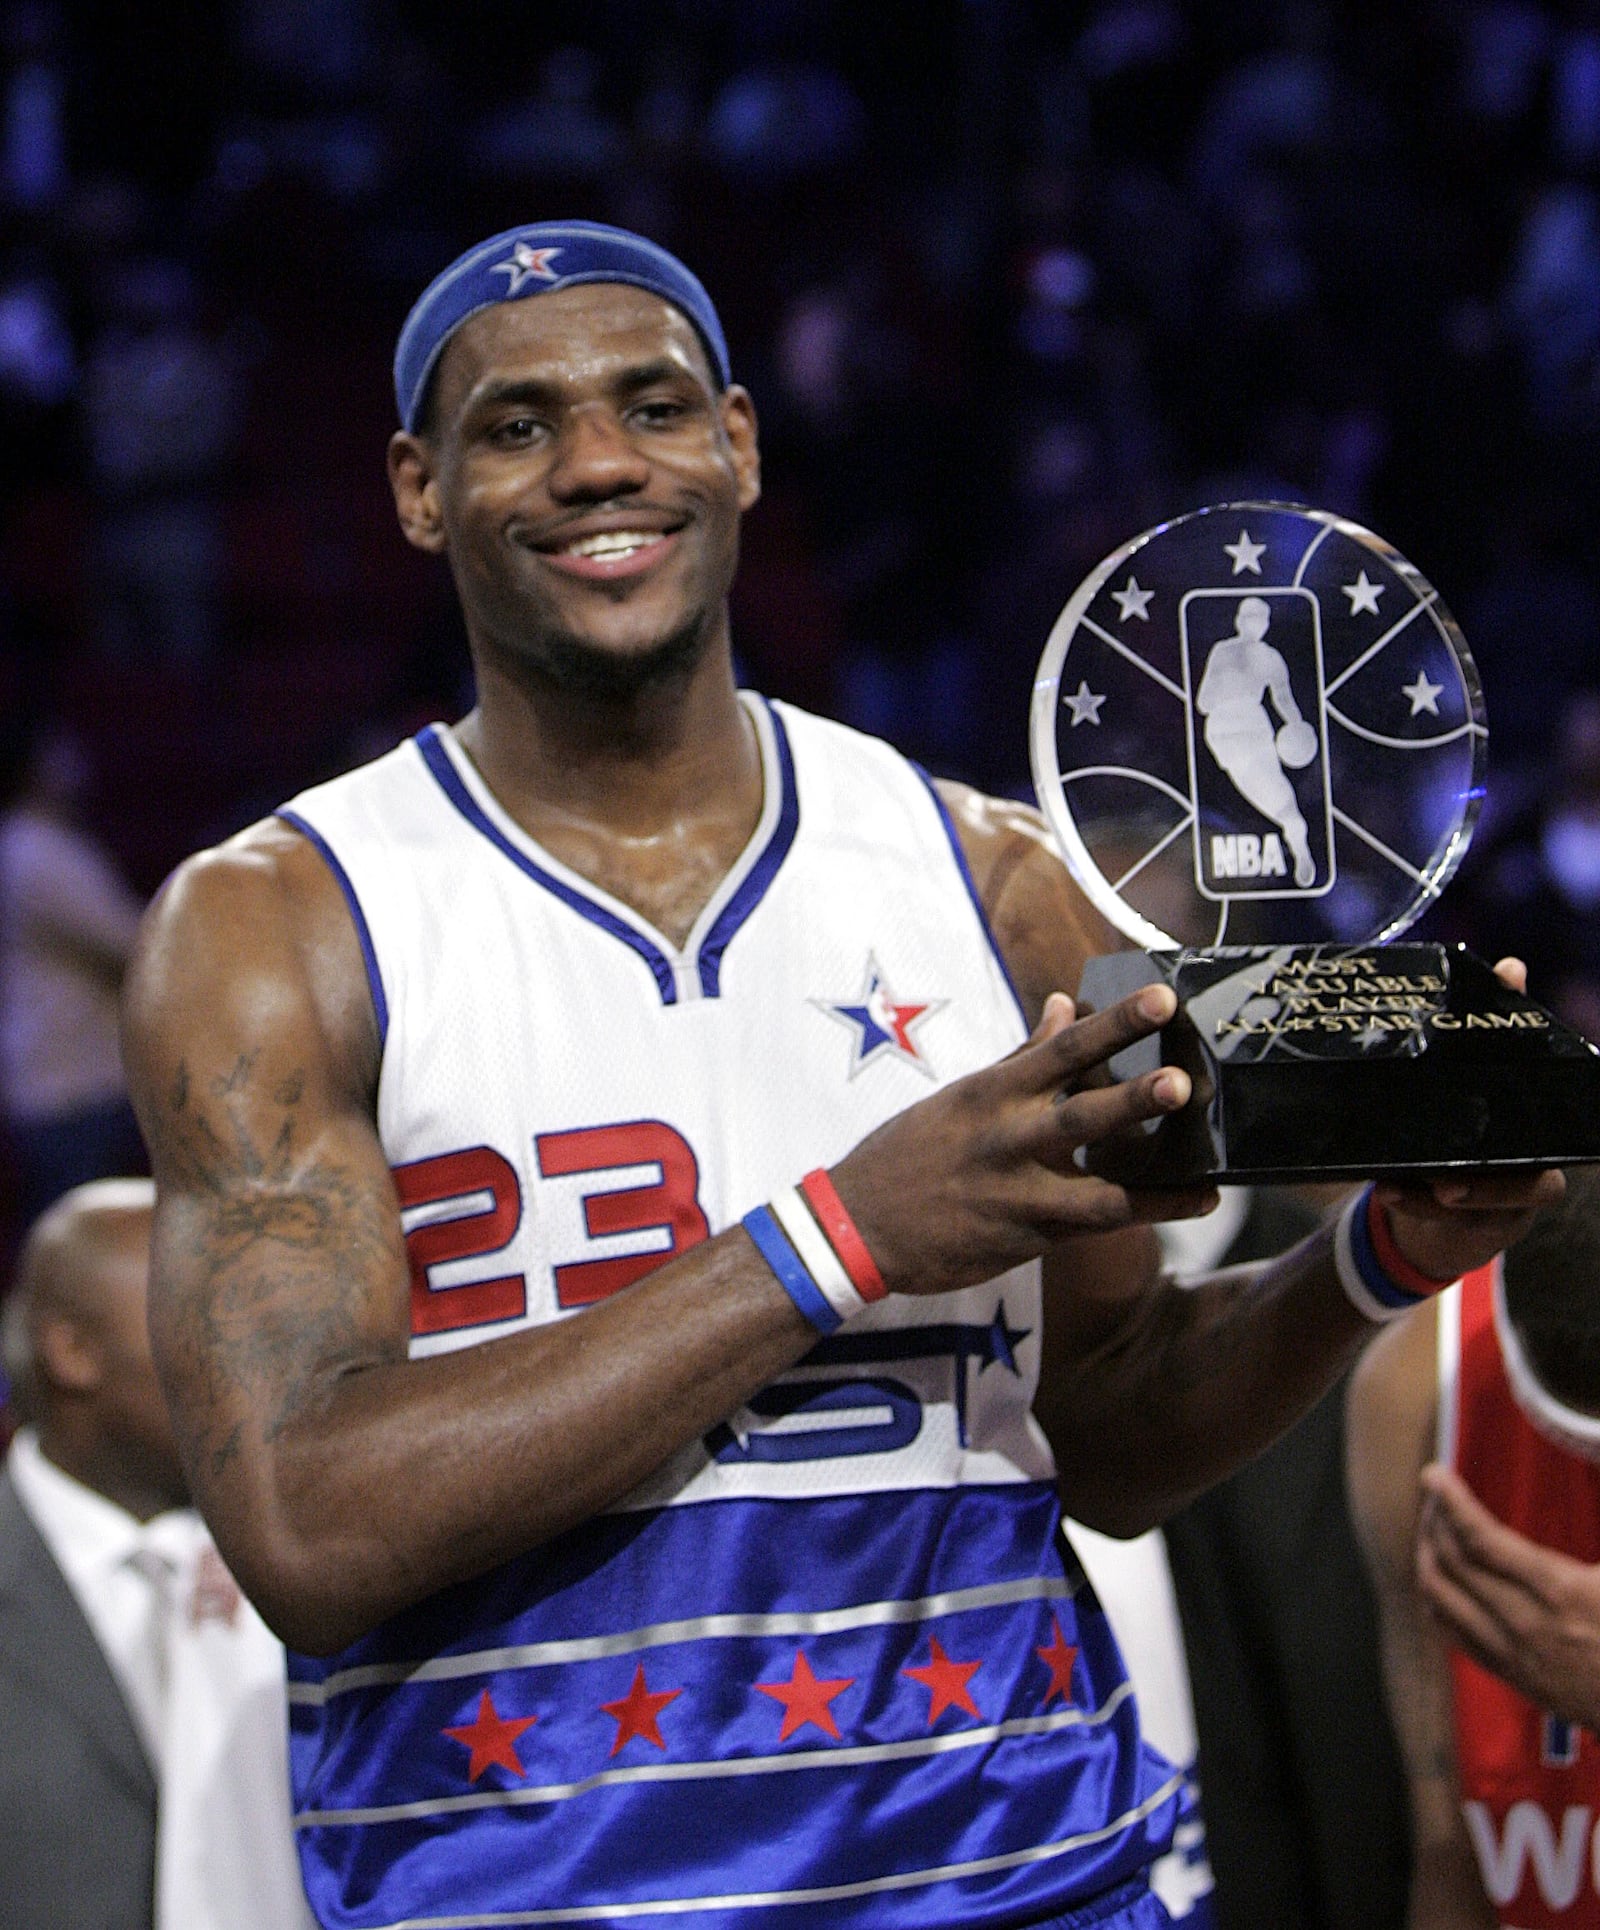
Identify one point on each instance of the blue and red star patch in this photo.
(884, 1026)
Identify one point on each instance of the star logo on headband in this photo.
(883, 1025)
(526, 264)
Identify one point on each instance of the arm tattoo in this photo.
(282, 1261)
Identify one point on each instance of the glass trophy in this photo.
(1259, 740)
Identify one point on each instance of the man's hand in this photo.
(1448, 1226)
(985, 1174)
(1525, 1612)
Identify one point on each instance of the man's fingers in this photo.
(1464, 1619)
(1063, 1048)
(1455, 1511)
(1059, 1012)
(1484, 1560)
(1099, 1112)
(1154, 1205)
(1446, 1226)
(1487, 1190)
(1512, 972)
(1513, 1573)
(1073, 1202)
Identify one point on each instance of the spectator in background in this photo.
(1474, 1438)
(143, 1760)
(559, 129)
(1297, 1759)
(67, 923)
(162, 404)
(33, 132)
(38, 370)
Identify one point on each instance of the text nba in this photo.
(1244, 855)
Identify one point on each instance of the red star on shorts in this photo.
(492, 1738)
(1058, 1657)
(805, 1699)
(635, 1714)
(945, 1681)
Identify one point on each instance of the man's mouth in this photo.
(611, 553)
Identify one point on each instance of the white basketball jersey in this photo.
(567, 1100)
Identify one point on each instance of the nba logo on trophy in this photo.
(1258, 768)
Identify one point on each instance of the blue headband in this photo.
(533, 261)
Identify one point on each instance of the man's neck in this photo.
(651, 796)
(111, 1474)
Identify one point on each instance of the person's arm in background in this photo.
(1392, 1418)
(1527, 1613)
(69, 898)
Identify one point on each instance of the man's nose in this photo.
(596, 457)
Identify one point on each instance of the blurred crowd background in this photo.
(1009, 284)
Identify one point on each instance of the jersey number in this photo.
(668, 1206)
(475, 1170)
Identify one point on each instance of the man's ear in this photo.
(416, 492)
(67, 1355)
(739, 425)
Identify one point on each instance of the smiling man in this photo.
(623, 1273)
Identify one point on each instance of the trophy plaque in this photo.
(1260, 743)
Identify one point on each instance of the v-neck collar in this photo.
(682, 974)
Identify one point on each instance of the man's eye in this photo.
(515, 429)
(659, 413)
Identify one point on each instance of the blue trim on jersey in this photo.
(749, 893)
(437, 759)
(380, 1003)
(978, 1763)
(968, 880)
(761, 874)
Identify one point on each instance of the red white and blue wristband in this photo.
(1378, 1279)
(815, 1250)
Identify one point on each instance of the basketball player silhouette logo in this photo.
(1242, 673)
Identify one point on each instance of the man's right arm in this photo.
(1393, 1404)
(344, 1480)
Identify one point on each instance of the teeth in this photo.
(612, 542)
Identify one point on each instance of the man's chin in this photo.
(613, 672)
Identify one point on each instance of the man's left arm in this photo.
(1150, 1393)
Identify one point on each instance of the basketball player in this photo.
(1241, 672)
(606, 1149)
(1498, 1382)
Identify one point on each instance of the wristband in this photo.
(816, 1256)
(1378, 1280)
(834, 1218)
(774, 1247)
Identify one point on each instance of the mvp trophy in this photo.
(1259, 740)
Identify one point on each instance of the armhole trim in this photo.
(970, 882)
(369, 955)
(1447, 1324)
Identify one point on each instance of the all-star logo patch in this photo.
(526, 264)
(882, 1024)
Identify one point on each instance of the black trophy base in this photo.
(1330, 1062)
